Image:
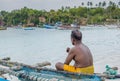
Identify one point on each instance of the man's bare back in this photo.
(82, 56)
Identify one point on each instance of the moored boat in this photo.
(49, 26)
(3, 28)
(68, 27)
(29, 28)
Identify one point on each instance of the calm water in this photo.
(33, 46)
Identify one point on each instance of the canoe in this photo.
(26, 72)
(64, 27)
(29, 28)
(49, 26)
(29, 74)
(3, 28)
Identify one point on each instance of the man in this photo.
(80, 53)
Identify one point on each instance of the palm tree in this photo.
(119, 3)
(96, 5)
(88, 3)
(91, 4)
(110, 3)
(82, 3)
(100, 4)
(103, 4)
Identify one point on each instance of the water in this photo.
(33, 46)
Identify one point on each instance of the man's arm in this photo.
(70, 56)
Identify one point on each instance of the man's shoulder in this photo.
(73, 49)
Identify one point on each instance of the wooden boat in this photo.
(3, 28)
(29, 28)
(69, 27)
(49, 26)
(38, 73)
(19, 27)
(27, 74)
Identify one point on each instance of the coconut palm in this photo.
(103, 4)
(82, 3)
(110, 3)
(91, 4)
(96, 5)
(100, 4)
(119, 3)
(88, 3)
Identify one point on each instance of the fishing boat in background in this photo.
(49, 26)
(61, 26)
(69, 27)
(19, 27)
(29, 28)
(3, 28)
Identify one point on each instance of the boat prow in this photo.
(3, 28)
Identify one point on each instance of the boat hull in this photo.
(68, 28)
(49, 27)
(3, 28)
(29, 28)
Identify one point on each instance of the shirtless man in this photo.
(80, 53)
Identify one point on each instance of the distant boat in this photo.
(69, 27)
(49, 26)
(29, 28)
(3, 28)
(19, 27)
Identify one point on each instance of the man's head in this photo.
(76, 36)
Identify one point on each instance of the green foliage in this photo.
(97, 15)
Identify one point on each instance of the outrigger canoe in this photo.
(29, 28)
(37, 72)
(49, 26)
(26, 72)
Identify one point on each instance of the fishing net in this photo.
(27, 74)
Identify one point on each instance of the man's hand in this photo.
(68, 49)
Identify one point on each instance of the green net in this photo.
(27, 74)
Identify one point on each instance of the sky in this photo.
(9, 5)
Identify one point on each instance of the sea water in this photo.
(35, 46)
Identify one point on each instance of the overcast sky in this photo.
(43, 4)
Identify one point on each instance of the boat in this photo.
(2, 79)
(29, 28)
(68, 27)
(27, 74)
(65, 27)
(49, 26)
(3, 28)
(37, 72)
(19, 27)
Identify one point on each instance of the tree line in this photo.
(101, 13)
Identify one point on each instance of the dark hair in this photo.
(76, 34)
